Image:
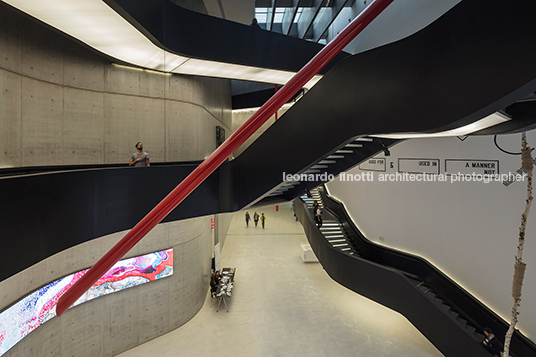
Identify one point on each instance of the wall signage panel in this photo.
(469, 167)
(419, 166)
(373, 165)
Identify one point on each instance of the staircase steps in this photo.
(332, 229)
(323, 164)
(428, 291)
(336, 236)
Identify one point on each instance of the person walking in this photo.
(315, 209)
(294, 211)
(247, 219)
(256, 219)
(263, 219)
(318, 217)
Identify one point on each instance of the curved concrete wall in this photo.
(114, 323)
(64, 104)
(240, 117)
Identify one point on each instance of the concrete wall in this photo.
(223, 222)
(241, 116)
(114, 323)
(63, 104)
(469, 230)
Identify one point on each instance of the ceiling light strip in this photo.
(99, 26)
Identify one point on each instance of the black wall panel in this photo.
(197, 35)
(44, 214)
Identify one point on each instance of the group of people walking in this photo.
(256, 218)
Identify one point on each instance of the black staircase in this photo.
(332, 229)
(396, 280)
(330, 165)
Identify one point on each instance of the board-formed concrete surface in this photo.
(117, 322)
(62, 104)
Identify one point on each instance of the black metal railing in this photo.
(391, 288)
(461, 301)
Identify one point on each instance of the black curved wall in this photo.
(201, 36)
(390, 288)
(466, 305)
(44, 214)
(474, 60)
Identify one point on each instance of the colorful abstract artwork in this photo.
(27, 314)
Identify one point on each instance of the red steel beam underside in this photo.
(211, 163)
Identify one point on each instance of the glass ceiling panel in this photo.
(298, 14)
(261, 14)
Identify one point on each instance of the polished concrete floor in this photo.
(284, 307)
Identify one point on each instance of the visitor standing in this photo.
(247, 219)
(256, 218)
(139, 158)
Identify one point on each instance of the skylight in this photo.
(261, 13)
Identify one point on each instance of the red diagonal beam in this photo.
(212, 162)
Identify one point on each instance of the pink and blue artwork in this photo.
(30, 312)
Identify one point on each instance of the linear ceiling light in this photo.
(226, 70)
(490, 120)
(285, 106)
(142, 69)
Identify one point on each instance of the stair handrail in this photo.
(497, 323)
(390, 288)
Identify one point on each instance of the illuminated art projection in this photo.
(26, 315)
